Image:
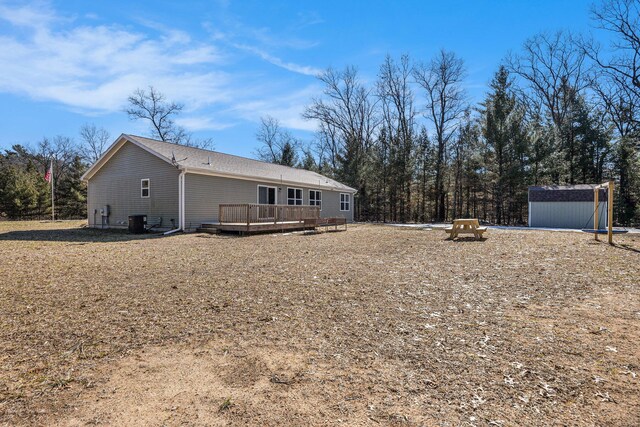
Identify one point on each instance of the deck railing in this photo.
(247, 213)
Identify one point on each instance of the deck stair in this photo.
(208, 227)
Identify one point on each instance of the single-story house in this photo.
(566, 206)
(177, 186)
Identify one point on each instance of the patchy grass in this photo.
(226, 404)
(377, 325)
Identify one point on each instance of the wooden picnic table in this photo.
(465, 226)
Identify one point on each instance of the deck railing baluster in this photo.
(248, 213)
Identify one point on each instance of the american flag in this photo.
(47, 176)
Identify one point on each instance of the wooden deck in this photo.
(256, 227)
(253, 218)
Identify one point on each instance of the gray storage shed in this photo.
(566, 206)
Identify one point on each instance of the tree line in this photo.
(562, 110)
(24, 192)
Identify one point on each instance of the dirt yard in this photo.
(375, 326)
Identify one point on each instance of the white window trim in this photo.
(294, 198)
(319, 191)
(148, 188)
(266, 186)
(347, 202)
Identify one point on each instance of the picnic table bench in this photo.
(315, 223)
(465, 226)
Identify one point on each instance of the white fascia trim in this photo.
(113, 149)
(270, 181)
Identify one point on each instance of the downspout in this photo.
(181, 209)
(181, 197)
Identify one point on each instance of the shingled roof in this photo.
(216, 163)
(565, 193)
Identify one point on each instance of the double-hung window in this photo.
(345, 201)
(145, 188)
(315, 198)
(294, 196)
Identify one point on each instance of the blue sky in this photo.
(65, 63)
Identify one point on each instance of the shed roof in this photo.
(210, 162)
(565, 193)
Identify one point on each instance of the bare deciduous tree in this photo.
(552, 66)
(278, 145)
(348, 121)
(556, 72)
(61, 149)
(399, 119)
(620, 103)
(441, 79)
(327, 145)
(94, 141)
(153, 107)
(622, 19)
(347, 113)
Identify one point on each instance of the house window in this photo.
(145, 187)
(266, 195)
(315, 198)
(294, 196)
(345, 201)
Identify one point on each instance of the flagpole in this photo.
(53, 206)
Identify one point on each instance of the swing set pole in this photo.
(596, 206)
(610, 212)
(596, 223)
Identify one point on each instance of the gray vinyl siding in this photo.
(117, 184)
(331, 205)
(566, 214)
(204, 193)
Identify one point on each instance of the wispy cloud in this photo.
(262, 41)
(290, 66)
(287, 109)
(308, 19)
(267, 38)
(91, 68)
(34, 15)
(197, 123)
(96, 67)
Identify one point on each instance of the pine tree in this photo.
(308, 162)
(18, 192)
(73, 203)
(288, 155)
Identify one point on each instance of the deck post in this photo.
(610, 213)
(248, 216)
